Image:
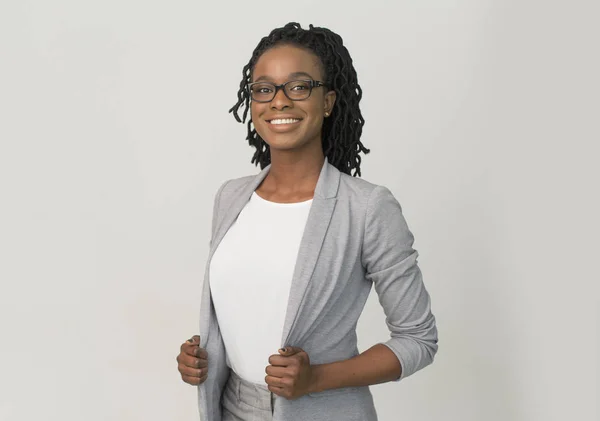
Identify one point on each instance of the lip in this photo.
(283, 128)
(283, 117)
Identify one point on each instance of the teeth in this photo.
(285, 121)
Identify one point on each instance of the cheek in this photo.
(258, 123)
(316, 115)
(255, 112)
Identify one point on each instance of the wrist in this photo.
(316, 379)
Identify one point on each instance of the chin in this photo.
(283, 146)
(282, 140)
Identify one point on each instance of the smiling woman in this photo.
(296, 249)
(293, 119)
(316, 56)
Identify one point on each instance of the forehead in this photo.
(278, 63)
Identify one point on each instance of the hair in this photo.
(342, 130)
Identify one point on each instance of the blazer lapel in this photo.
(317, 223)
(312, 239)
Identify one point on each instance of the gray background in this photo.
(482, 119)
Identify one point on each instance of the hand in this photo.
(193, 362)
(290, 374)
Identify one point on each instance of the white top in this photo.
(250, 278)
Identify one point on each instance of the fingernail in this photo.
(283, 349)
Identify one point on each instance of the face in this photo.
(279, 65)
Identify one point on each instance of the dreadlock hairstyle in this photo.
(341, 131)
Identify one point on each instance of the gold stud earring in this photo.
(326, 114)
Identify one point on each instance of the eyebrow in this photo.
(291, 76)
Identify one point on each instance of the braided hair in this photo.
(341, 131)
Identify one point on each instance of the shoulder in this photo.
(352, 190)
(233, 185)
(360, 191)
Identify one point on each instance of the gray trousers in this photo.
(246, 401)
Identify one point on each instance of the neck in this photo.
(293, 172)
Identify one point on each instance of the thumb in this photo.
(289, 350)
(195, 338)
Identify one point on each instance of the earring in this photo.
(326, 114)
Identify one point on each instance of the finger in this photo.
(194, 380)
(190, 343)
(194, 350)
(279, 360)
(279, 391)
(193, 362)
(200, 363)
(200, 353)
(276, 371)
(192, 371)
(190, 380)
(275, 381)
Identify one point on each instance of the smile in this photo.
(284, 121)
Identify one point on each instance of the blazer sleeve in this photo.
(391, 264)
(215, 214)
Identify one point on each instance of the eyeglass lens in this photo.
(295, 90)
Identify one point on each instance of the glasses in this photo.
(295, 90)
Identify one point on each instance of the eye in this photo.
(262, 89)
(299, 86)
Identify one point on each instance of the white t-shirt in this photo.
(250, 277)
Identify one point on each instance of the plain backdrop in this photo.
(482, 119)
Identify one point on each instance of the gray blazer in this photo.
(355, 237)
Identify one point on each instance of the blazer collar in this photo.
(325, 197)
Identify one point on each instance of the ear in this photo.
(329, 101)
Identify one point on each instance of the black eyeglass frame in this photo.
(312, 84)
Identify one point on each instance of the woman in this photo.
(296, 248)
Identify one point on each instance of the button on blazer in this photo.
(355, 237)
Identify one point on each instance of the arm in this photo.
(376, 365)
(391, 264)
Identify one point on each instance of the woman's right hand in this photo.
(193, 362)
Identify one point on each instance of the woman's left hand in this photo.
(290, 374)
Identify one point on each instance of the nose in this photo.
(280, 101)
